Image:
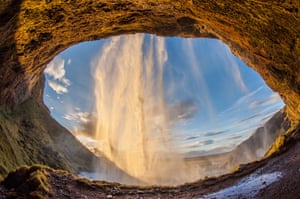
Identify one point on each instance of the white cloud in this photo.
(78, 117)
(244, 101)
(254, 104)
(56, 71)
(56, 68)
(58, 88)
(66, 81)
(273, 99)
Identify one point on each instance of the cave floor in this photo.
(277, 177)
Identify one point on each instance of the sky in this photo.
(215, 99)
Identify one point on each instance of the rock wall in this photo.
(28, 135)
(265, 34)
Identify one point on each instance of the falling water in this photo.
(134, 124)
(165, 111)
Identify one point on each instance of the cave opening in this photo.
(157, 106)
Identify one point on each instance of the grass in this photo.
(285, 141)
(39, 179)
(276, 146)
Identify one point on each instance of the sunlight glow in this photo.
(162, 110)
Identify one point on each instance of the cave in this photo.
(264, 34)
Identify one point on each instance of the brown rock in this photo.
(265, 34)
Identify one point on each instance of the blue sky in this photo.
(224, 99)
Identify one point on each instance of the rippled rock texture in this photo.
(265, 34)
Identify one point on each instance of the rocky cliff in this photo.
(257, 145)
(29, 135)
(265, 34)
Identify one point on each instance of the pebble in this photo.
(109, 196)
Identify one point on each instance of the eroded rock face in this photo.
(265, 34)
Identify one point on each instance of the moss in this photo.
(277, 145)
(29, 182)
(236, 169)
(39, 180)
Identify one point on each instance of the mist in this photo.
(162, 111)
(134, 122)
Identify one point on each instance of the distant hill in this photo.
(260, 141)
(250, 150)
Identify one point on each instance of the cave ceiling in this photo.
(264, 34)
